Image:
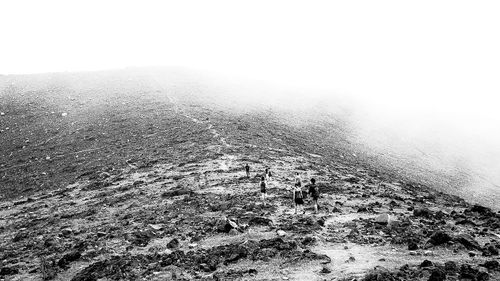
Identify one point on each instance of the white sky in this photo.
(432, 57)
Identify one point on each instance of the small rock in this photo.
(350, 259)
(450, 266)
(422, 212)
(101, 234)
(281, 233)
(68, 258)
(426, 263)
(156, 226)
(4, 271)
(437, 275)
(2, 113)
(174, 243)
(491, 265)
(490, 250)
(467, 241)
(66, 231)
(439, 237)
(205, 267)
(64, 114)
(232, 224)
(325, 270)
(412, 246)
(193, 245)
(382, 219)
(233, 232)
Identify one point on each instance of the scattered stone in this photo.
(325, 270)
(350, 259)
(490, 250)
(439, 237)
(281, 233)
(66, 231)
(480, 209)
(68, 258)
(412, 246)
(5, 271)
(382, 219)
(467, 241)
(437, 275)
(173, 244)
(450, 266)
(156, 226)
(492, 265)
(426, 263)
(379, 273)
(422, 212)
(308, 240)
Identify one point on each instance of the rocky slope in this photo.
(139, 181)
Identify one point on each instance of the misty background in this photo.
(418, 82)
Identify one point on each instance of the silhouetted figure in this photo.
(298, 198)
(298, 180)
(247, 170)
(314, 192)
(263, 190)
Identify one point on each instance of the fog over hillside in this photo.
(451, 144)
(416, 82)
(456, 152)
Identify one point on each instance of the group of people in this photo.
(298, 195)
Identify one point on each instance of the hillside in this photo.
(133, 175)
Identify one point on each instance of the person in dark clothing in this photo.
(298, 198)
(247, 170)
(263, 190)
(314, 192)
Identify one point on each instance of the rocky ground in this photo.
(168, 199)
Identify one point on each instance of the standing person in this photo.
(298, 179)
(263, 186)
(266, 174)
(298, 197)
(247, 170)
(314, 192)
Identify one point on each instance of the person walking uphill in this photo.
(263, 190)
(267, 174)
(298, 198)
(314, 192)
